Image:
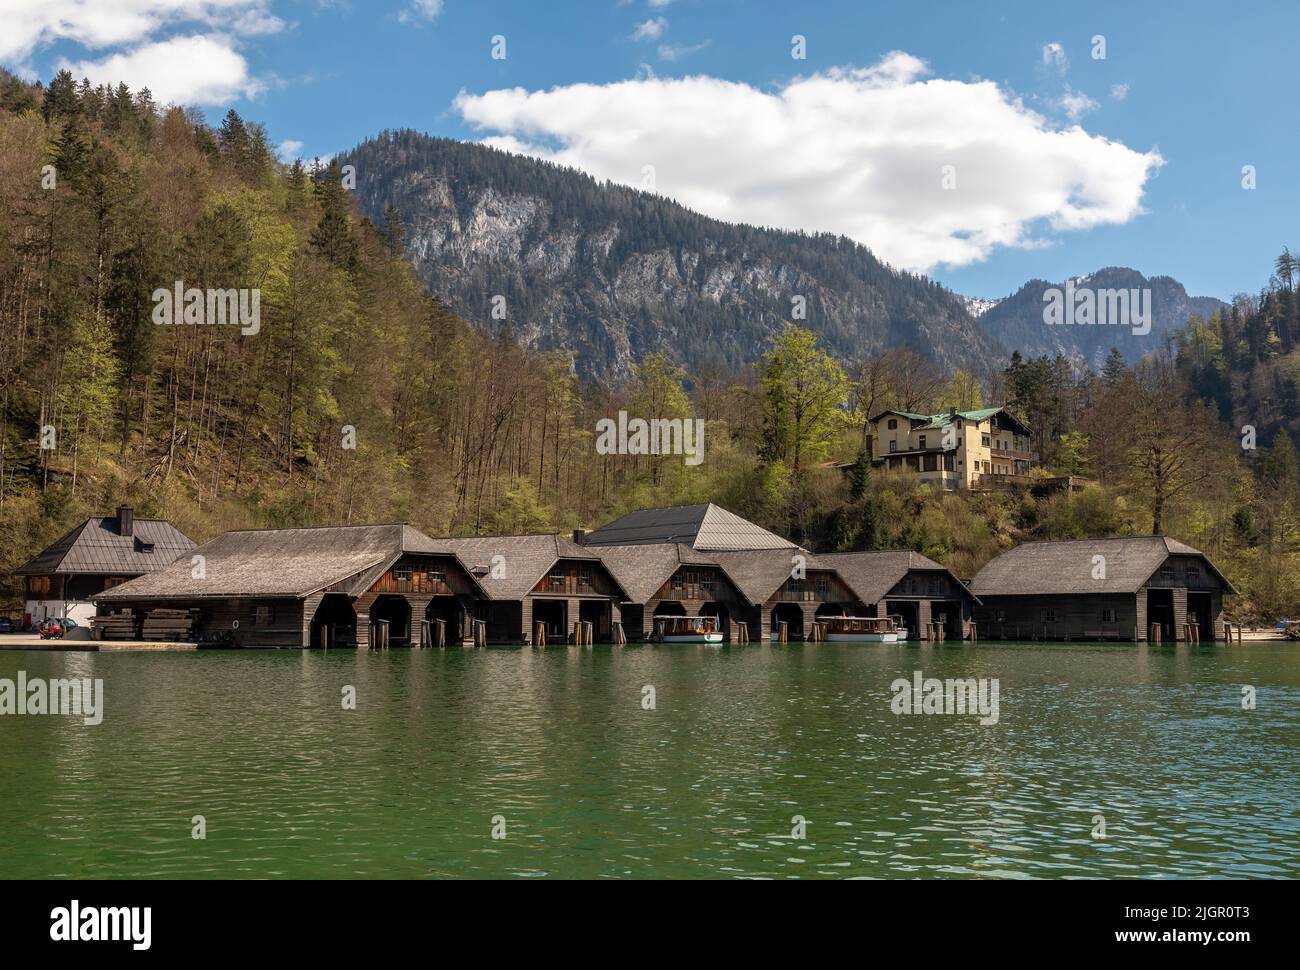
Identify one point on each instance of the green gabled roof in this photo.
(944, 418)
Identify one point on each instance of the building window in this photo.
(706, 581)
(437, 574)
(1166, 572)
(985, 440)
(893, 446)
(402, 574)
(936, 585)
(922, 441)
(893, 424)
(584, 576)
(263, 615)
(823, 586)
(557, 579)
(679, 581)
(1193, 573)
(1047, 616)
(1000, 616)
(1107, 616)
(795, 585)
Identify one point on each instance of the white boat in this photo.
(688, 629)
(863, 629)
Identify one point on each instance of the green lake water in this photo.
(589, 784)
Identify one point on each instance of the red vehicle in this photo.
(52, 630)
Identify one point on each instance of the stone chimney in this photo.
(579, 536)
(125, 520)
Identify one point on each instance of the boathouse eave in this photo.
(1227, 584)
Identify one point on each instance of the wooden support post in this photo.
(973, 633)
(783, 631)
(617, 635)
(539, 634)
(1157, 633)
(742, 632)
(426, 634)
(324, 636)
(440, 634)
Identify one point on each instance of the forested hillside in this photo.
(359, 398)
(611, 273)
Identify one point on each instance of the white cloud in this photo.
(660, 4)
(675, 52)
(651, 29)
(853, 151)
(99, 24)
(1054, 57)
(197, 70)
(288, 150)
(1119, 91)
(421, 10)
(1076, 104)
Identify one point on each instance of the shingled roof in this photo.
(97, 547)
(643, 569)
(705, 528)
(758, 573)
(527, 558)
(289, 563)
(1060, 567)
(871, 575)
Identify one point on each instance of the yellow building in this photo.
(953, 449)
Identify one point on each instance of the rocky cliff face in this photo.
(609, 273)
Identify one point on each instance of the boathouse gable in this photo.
(908, 584)
(543, 578)
(671, 579)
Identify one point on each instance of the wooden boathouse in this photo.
(299, 588)
(672, 579)
(1135, 588)
(545, 578)
(907, 584)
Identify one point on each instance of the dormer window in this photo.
(142, 546)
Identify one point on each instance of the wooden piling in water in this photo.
(617, 634)
(539, 635)
(783, 632)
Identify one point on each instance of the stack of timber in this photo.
(169, 624)
(116, 626)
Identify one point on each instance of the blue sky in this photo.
(1187, 94)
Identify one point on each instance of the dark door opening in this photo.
(553, 614)
(335, 623)
(1200, 611)
(792, 616)
(595, 612)
(724, 617)
(910, 613)
(448, 610)
(1160, 612)
(397, 611)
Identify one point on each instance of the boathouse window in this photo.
(1000, 616)
(437, 574)
(1107, 616)
(795, 585)
(1193, 573)
(1166, 572)
(678, 581)
(263, 615)
(936, 584)
(823, 586)
(557, 579)
(893, 424)
(402, 574)
(584, 576)
(706, 581)
(1047, 616)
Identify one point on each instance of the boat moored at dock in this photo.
(688, 629)
(864, 629)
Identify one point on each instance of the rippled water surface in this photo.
(590, 784)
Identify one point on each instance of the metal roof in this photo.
(705, 528)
